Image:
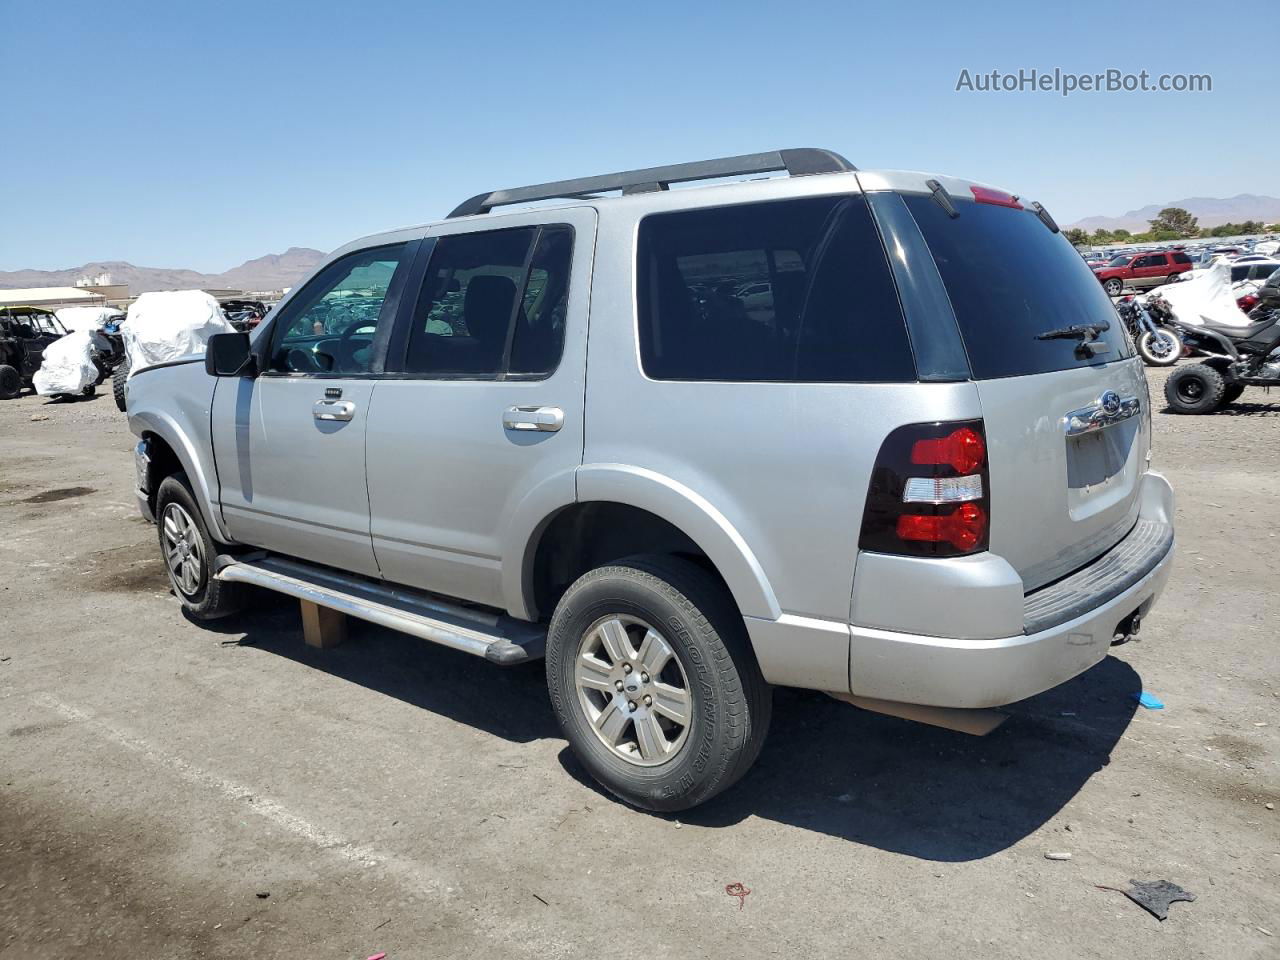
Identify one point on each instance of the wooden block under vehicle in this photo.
(322, 627)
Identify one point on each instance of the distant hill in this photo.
(271, 272)
(1210, 211)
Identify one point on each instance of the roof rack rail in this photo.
(798, 162)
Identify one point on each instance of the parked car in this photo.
(920, 479)
(1243, 269)
(1142, 270)
(24, 333)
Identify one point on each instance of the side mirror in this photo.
(228, 355)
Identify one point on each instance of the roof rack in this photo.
(798, 162)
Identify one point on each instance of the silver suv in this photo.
(872, 433)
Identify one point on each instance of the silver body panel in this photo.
(768, 479)
(454, 483)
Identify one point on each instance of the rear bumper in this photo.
(999, 646)
(989, 673)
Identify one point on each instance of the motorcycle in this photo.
(1235, 357)
(1157, 343)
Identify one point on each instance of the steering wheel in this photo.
(355, 327)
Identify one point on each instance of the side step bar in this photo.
(496, 637)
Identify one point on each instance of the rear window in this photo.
(789, 290)
(1011, 278)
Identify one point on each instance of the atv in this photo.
(1235, 357)
(24, 334)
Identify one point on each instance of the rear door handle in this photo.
(542, 419)
(333, 410)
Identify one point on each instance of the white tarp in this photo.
(1207, 298)
(87, 318)
(68, 365)
(171, 324)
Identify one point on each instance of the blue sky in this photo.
(200, 135)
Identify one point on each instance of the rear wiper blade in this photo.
(1078, 331)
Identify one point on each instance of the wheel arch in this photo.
(171, 445)
(642, 511)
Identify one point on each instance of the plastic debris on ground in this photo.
(170, 324)
(68, 367)
(1148, 700)
(1154, 896)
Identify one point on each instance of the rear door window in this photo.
(789, 290)
(493, 305)
(1010, 279)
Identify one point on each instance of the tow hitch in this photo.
(1127, 629)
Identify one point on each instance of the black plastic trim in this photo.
(931, 322)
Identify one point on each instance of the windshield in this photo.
(1120, 261)
(1011, 279)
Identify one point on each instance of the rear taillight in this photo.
(930, 492)
(1247, 302)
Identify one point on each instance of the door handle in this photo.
(542, 419)
(333, 410)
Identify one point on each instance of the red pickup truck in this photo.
(1142, 270)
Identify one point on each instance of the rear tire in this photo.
(621, 621)
(188, 551)
(118, 378)
(10, 382)
(1172, 278)
(1160, 350)
(1195, 389)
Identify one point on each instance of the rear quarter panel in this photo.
(785, 466)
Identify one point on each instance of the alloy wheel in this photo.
(634, 690)
(183, 551)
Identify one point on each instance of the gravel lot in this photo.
(176, 790)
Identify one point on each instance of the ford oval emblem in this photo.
(1110, 403)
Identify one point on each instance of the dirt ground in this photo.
(176, 790)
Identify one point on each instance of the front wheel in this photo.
(188, 553)
(654, 683)
(1195, 389)
(1113, 287)
(10, 382)
(1160, 349)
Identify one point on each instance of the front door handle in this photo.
(542, 419)
(333, 410)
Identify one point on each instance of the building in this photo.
(52, 298)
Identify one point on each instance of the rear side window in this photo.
(1157, 260)
(789, 290)
(1011, 279)
(1181, 258)
(493, 305)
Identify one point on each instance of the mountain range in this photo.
(272, 272)
(1210, 211)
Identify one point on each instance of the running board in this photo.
(496, 637)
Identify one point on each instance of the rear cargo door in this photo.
(1068, 422)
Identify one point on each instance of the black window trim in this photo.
(397, 359)
(388, 315)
